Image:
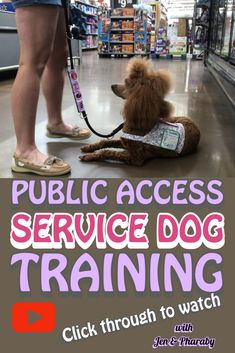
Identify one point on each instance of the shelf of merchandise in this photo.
(121, 29)
(135, 46)
(89, 10)
(160, 48)
(122, 42)
(154, 6)
(200, 46)
(121, 17)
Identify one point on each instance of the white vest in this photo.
(166, 135)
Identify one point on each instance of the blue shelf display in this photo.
(6, 7)
(103, 35)
(123, 35)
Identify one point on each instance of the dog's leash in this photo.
(75, 84)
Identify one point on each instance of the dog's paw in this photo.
(85, 158)
(87, 149)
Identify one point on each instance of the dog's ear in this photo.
(138, 68)
(119, 90)
(161, 82)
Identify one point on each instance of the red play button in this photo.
(33, 317)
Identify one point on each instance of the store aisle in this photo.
(195, 93)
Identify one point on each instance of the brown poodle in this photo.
(149, 130)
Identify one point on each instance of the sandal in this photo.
(52, 166)
(77, 133)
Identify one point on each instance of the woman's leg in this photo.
(53, 81)
(53, 76)
(36, 28)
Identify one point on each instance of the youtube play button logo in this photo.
(33, 317)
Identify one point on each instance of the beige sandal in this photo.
(52, 166)
(77, 133)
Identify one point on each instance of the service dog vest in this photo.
(166, 135)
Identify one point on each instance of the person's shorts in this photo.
(22, 3)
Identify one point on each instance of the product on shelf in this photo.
(105, 25)
(127, 24)
(127, 37)
(103, 47)
(116, 12)
(116, 37)
(128, 48)
(91, 29)
(90, 42)
(116, 48)
(141, 48)
(104, 36)
(84, 23)
(116, 24)
(162, 43)
(128, 12)
(139, 36)
(139, 25)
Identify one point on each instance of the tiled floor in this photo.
(195, 93)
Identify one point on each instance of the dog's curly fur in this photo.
(144, 91)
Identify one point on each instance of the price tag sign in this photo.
(122, 3)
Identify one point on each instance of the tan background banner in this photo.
(81, 308)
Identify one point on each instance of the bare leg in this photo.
(102, 144)
(53, 76)
(121, 156)
(36, 27)
(53, 80)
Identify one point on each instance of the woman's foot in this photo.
(67, 130)
(37, 163)
(33, 155)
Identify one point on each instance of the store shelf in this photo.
(8, 29)
(115, 39)
(118, 55)
(87, 14)
(121, 29)
(121, 42)
(9, 68)
(121, 17)
(122, 53)
(90, 48)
